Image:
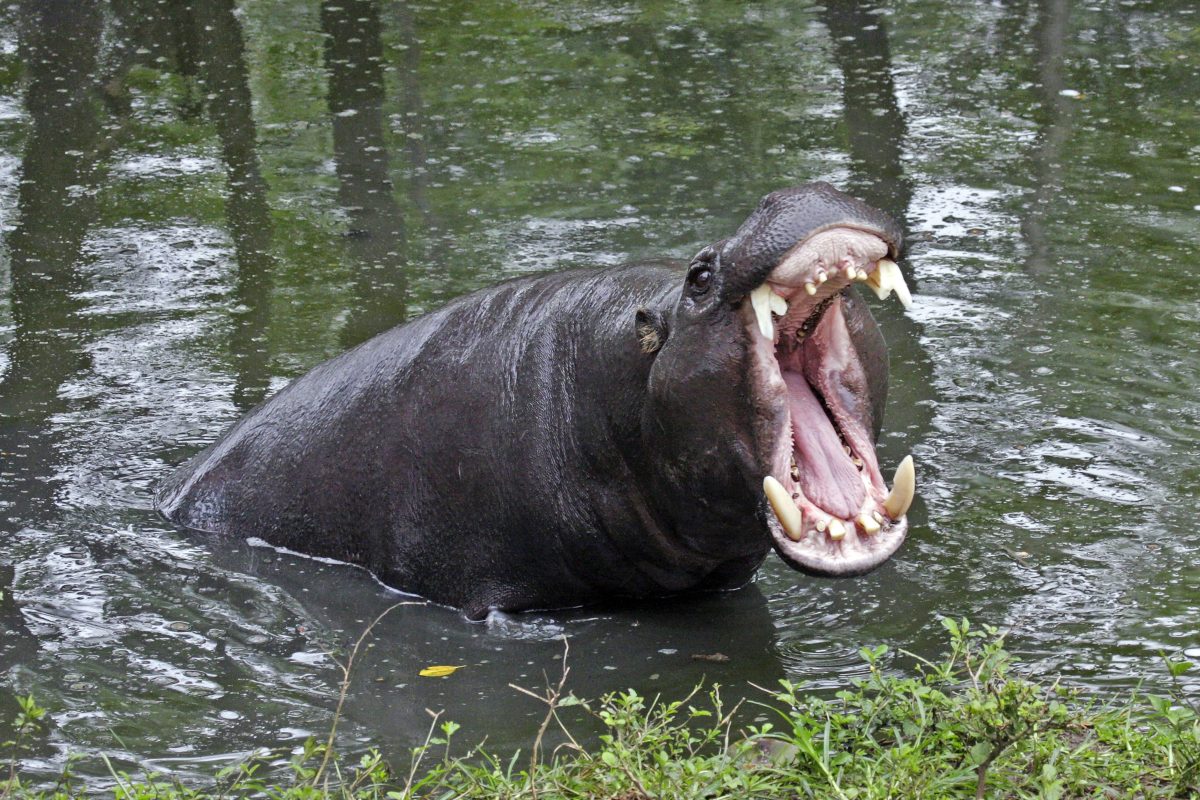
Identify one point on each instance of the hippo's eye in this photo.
(700, 278)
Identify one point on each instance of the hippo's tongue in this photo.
(832, 447)
(827, 476)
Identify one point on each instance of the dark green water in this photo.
(200, 201)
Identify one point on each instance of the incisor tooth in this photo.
(867, 523)
(785, 509)
(904, 486)
(760, 299)
(810, 289)
(837, 530)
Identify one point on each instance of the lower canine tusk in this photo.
(785, 510)
(904, 487)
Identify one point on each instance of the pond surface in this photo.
(200, 201)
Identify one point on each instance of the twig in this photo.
(982, 771)
(416, 762)
(551, 699)
(345, 687)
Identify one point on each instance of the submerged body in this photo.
(584, 435)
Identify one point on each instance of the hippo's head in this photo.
(767, 389)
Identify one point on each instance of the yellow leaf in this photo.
(438, 671)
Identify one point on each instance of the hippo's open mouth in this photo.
(833, 513)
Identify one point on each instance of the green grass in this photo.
(966, 726)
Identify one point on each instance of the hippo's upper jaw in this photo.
(818, 398)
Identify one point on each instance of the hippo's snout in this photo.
(791, 216)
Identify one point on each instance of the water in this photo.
(188, 222)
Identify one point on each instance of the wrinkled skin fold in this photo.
(586, 435)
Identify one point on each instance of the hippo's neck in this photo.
(604, 446)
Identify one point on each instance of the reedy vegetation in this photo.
(966, 726)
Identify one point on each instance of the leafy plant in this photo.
(967, 725)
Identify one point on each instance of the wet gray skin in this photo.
(567, 439)
(199, 206)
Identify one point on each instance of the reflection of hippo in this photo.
(592, 434)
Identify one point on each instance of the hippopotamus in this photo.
(594, 435)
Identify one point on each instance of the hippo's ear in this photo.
(651, 328)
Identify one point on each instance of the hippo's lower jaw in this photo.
(833, 513)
